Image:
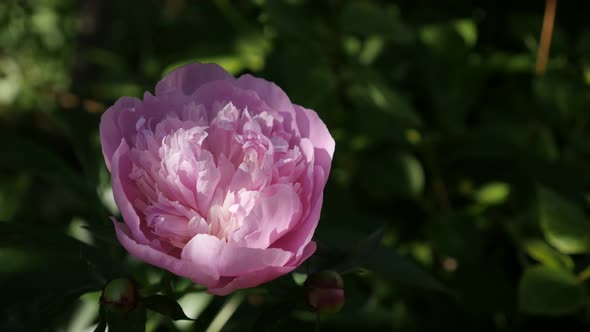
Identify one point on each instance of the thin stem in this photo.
(438, 185)
(317, 321)
(546, 32)
(229, 307)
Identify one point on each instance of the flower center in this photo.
(194, 178)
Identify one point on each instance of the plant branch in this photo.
(546, 32)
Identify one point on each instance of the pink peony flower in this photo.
(218, 179)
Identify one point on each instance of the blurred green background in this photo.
(474, 168)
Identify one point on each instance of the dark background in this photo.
(475, 169)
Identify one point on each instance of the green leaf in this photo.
(370, 254)
(30, 251)
(550, 257)
(274, 317)
(370, 92)
(102, 321)
(389, 264)
(103, 231)
(101, 327)
(399, 174)
(342, 259)
(42, 241)
(365, 18)
(133, 321)
(22, 154)
(28, 157)
(549, 291)
(82, 131)
(584, 274)
(563, 223)
(165, 306)
(492, 193)
(368, 244)
(456, 235)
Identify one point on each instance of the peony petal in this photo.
(208, 177)
(273, 96)
(154, 109)
(230, 260)
(276, 210)
(256, 278)
(269, 92)
(312, 127)
(251, 280)
(113, 130)
(123, 188)
(200, 274)
(301, 235)
(127, 116)
(214, 95)
(187, 79)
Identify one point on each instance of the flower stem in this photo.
(317, 321)
(546, 32)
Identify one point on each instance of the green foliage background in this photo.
(475, 170)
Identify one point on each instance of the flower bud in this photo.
(119, 295)
(326, 291)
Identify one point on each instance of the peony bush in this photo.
(218, 179)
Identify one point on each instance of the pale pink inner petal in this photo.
(276, 210)
(229, 259)
(220, 170)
